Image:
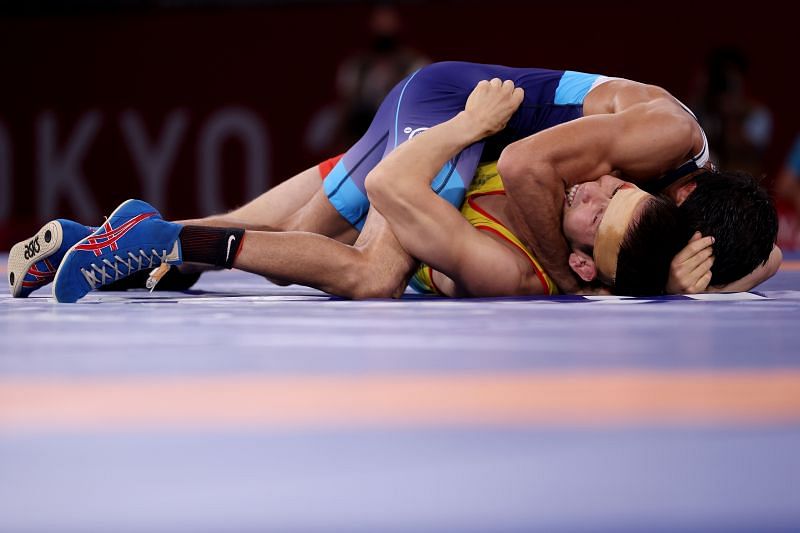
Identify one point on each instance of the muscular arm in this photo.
(427, 226)
(640, 142)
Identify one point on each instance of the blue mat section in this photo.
(484, 480)
(237, 322)
(680, 477)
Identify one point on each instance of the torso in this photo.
(484, 208)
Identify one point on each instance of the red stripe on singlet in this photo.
(480, 210)
(326, 166)
(477, 208)
(433, 283)
(533, 265)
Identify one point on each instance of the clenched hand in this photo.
(491, 104)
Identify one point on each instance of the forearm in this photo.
(427, 226)
(417, 161)
(400, 186)
(536, 195)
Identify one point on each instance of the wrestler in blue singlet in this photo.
(435, 94)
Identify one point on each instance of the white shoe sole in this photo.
(26, 253)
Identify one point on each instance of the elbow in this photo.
(509, 164)
(377, 185)
(518, 164)
(386, 193)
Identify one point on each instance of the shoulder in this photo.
(666, 120)
(620, 94)
(518, 273)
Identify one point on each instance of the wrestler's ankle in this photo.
(212, 246)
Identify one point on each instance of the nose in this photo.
(606, 179)
(590, 192)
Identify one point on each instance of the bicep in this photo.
(642, 142)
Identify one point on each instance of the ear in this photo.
(583, 265)
(684, 191)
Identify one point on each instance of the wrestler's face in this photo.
(584, 207)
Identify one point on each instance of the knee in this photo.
(374, 286)
(368, 291)
(373, 279)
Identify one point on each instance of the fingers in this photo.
(508, 86)
(698, 259)
(690, 281)
(702, 269)
(496, 83)
(491, 104)
(702, 283)
(518, 95)
(695, 246)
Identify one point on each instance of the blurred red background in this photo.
(217, 100)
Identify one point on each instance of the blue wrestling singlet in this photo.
(435, 94)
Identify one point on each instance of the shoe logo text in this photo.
(32, 248)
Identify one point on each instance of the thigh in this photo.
(281, 201)
(344, 184)
(270, 210)
(298, 204)
(319, 216)
(422, 100)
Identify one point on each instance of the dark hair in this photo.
(736, 210)
(648, 247)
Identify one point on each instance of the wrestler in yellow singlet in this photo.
(487, 181)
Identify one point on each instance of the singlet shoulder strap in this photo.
(692, 165)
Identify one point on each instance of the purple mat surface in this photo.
(680, 475)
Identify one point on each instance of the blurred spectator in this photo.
(787, 189)
(787, 186)
(363, 80)
(739, 128)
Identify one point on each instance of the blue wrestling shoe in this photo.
(134, 237)
(33, 262)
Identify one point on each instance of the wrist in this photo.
(470, 128)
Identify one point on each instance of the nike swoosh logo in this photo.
(230, 241)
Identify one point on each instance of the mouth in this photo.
(570, 194)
